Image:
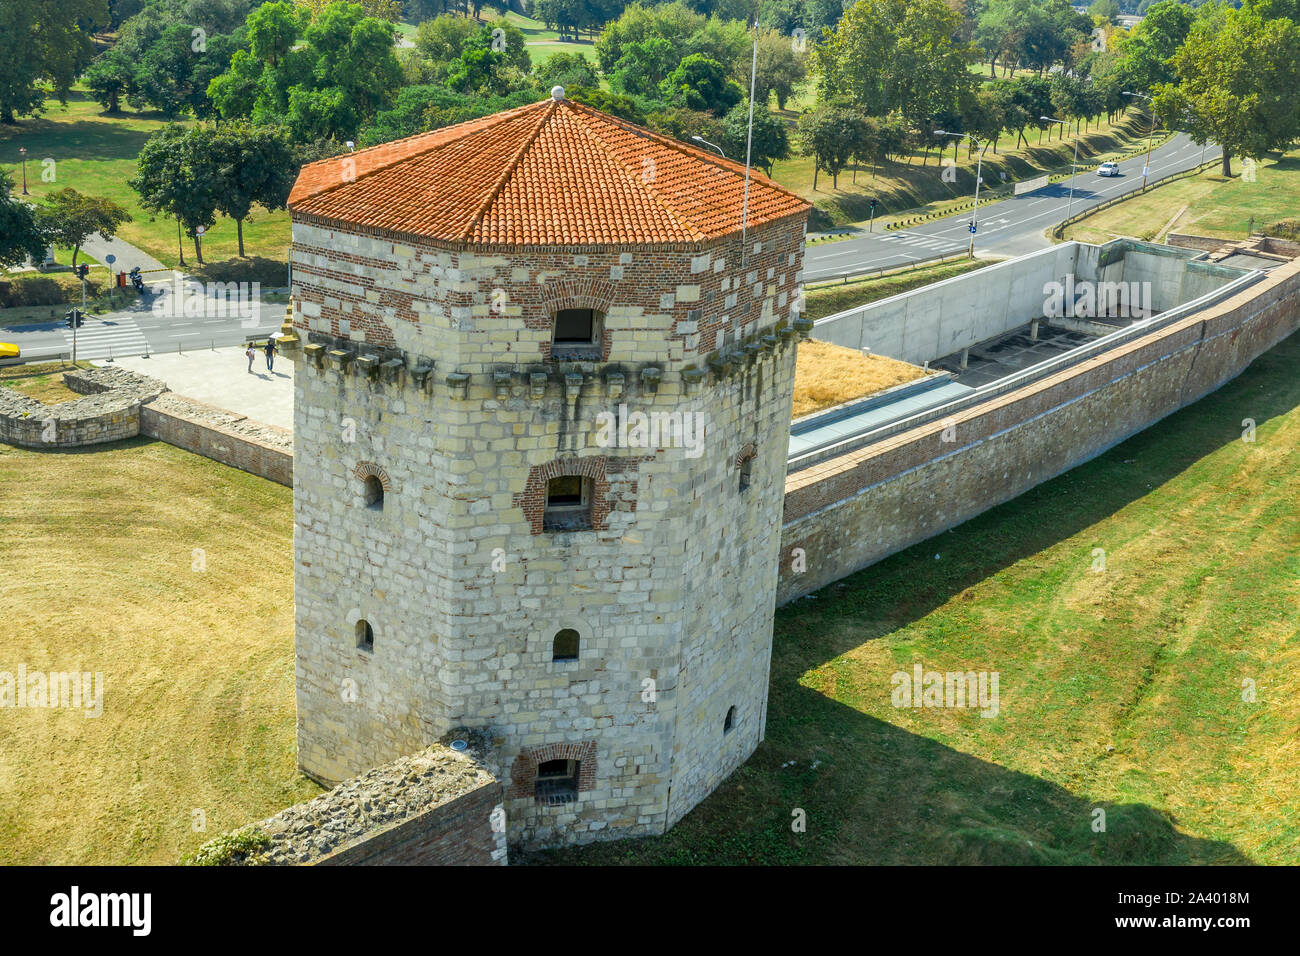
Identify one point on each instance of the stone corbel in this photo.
(458, 382)
(392, 370)
(501, 378)
(614, 384)
(315, 354)
(651, 377)
(537, 385)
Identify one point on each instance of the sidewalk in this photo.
(220, 377)
(128, 256)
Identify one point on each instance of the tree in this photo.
(831, 134)
(699, 83)
(1149, 47)
(43, 41)
(674, 22)
(566, 70)
(771, 139)
(896, 54)
(21, 234)
(69, 218)
(1105, 11)
(110, 78)
(643, 66)
(254, 164)
(174, 176)
(273, 29)
(614, 104)
(780, 68)
(1237, 73)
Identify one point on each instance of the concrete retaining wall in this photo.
(851, 511)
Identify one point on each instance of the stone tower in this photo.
(542, 411)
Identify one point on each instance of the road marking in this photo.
(101, 340)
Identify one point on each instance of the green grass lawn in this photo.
(96, 154)
(904, 186)
(1120, 690)
(99, 572)
(1208, 204)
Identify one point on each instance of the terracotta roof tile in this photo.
(553, 173)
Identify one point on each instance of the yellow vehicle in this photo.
(8, 351)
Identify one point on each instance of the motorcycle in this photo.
(137, 280)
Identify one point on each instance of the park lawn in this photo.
(902, 188)
(42, 381)
(101, 571)
(96, 154)
(1119, 690)
(1215, 205)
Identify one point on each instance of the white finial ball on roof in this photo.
(557, 94)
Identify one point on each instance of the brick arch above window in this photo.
(746, 453)
(533, 498)
(523, 772)
(366, 469)
(575, 293)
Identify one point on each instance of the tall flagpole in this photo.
(749, 145)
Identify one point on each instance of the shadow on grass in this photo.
(882, 794)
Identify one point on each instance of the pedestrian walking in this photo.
(251, 355)
(270, 354)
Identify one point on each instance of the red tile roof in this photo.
(553, 173)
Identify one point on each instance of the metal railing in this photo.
(1017, 380)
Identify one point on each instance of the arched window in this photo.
(365, 636)
(373, 492)
(729, 722)
(746, 472)
(565, 645)
(568, 504)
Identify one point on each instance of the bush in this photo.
(1284, 229)
(244, 847)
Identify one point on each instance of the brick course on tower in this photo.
(466, 488)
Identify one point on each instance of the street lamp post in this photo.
(701, 139)
(1073, 167)
(1146, 169)
(979, 166)
(22, 151)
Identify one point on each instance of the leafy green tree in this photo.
(254, 165)
(889, 55)
(832, 135)
(1149, 46)
(771, 138)
(273, 29)
(699, 83)
(174, 176)
(43, 41)
(781, 68)
(1105, 11)
(615, 104)
(674, 22)
(69, 218)
(1237, 74)
(110, 78)
(21, 233)
(566, 70)
(643, 66)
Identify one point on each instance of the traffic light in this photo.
(83, 270)
(873, 203)
(75, 318)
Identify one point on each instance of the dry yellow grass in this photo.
(42, 381)
(172, 576)
(827, 375)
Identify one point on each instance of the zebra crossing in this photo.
(104, 339)
(928, 243)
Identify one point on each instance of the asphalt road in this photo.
(1011, 227)
(158, 323)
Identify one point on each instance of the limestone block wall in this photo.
(852, 511)
(672, 589)
(110, 411)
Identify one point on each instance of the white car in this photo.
(1108, 169)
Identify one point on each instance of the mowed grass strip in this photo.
(42, 381)
(1208, 204)
(1121, 690)
(172, 576)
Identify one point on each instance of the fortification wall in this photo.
(851, 511)
(439, 807)
(109, 410)
(227, 437)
